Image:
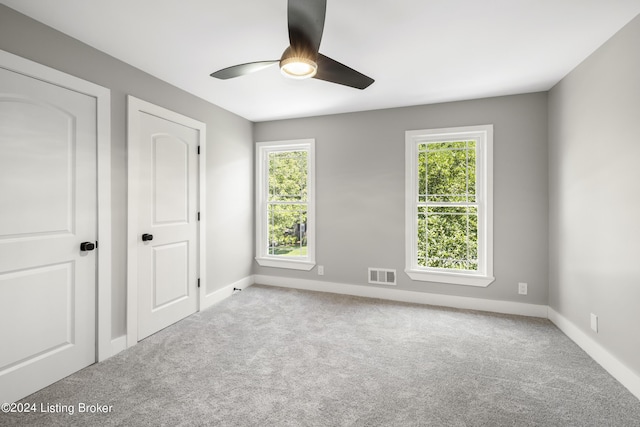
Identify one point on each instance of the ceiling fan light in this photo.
(298, 68)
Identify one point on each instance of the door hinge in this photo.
(198, 216)
(198, 149)
(198, 282)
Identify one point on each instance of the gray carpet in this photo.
(279, 357)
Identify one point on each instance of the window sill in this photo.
(451, 278)
(289, 264)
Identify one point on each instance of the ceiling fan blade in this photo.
(332, 71)
(242, 69)
(306, 24)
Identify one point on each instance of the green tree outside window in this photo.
(447, 206)
(287, 203)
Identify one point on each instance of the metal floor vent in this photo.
(382, 276)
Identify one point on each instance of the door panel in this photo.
(48, 207)
(38, 147)
(170, 180)
(53, 328)
(171, 274)
(167, 270)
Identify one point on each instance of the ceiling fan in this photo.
(302, 59)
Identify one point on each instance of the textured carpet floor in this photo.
(279, 357)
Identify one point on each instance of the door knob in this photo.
(87, 246)
(147, 237)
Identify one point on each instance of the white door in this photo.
(47, 210)
(168, 220)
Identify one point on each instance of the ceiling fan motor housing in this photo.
(299, 63)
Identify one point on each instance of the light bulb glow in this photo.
(298, 68)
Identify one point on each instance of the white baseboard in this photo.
(506, 307)
(118, 344)
(222, 293)
(609, 362)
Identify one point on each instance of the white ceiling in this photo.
(418, 51)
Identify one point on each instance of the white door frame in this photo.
(9, 61)
(134, 107)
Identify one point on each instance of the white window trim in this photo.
(484, 173)
(262, 256)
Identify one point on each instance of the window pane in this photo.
(422, 177)
(422, 236)
(447, 145)
(287, 229)
(450, 168)
(288, 176)
(452, 238)
(471, 170)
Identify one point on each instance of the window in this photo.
(285, 217)
(449, 208)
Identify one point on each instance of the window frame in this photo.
(483, 135)
(263, 258)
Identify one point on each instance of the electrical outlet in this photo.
(321, 270)
(522, 288)
(594, 323)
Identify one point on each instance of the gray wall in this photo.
(229, 150)
(594, 190)
(360, 176)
